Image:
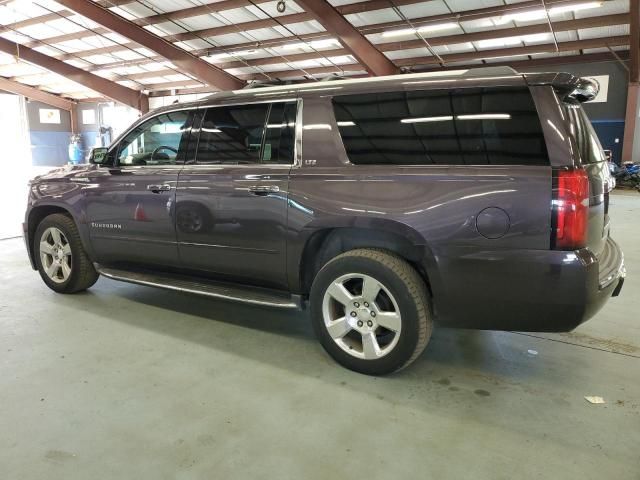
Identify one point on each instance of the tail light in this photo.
(570, 209)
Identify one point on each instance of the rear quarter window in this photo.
(480, 126)
(583, 134)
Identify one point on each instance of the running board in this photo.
(224, 291)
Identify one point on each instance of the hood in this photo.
(65, 173)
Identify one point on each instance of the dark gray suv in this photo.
(475, 199)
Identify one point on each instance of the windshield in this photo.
(583, 133)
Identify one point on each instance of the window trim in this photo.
(294, 160)
(115, 148)
(297, 135)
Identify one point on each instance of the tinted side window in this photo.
(156, 141)
(483, 126)
(232, 135)
(279, 137)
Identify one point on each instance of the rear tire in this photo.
(61, 260)
(370, 311)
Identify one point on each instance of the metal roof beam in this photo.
(223, 5)
(182, 59)
(27, 22)
(241, 27)
(375, 28)
(35, 94)
(469, 56)
(590, 22)
(465, 15)
(115, 91)
(192, 35)
(518, 51)
(446, 40)
(369, 56)
(531, 63)
(585, 58)
(208, 8)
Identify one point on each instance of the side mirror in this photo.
(98, 155)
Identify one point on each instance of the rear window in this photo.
(480, 126)
(583, 133)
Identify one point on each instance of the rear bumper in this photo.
(530, 290)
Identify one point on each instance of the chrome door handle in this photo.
(263, 189)
(159, 188)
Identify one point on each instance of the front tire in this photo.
(61, 260)
(370, 311)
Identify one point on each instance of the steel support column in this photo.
(631, 115)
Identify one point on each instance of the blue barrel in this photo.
(75, 152)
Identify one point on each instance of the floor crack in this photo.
(576, 344)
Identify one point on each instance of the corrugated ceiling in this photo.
(237, 41)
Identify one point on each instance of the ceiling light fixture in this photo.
(241, 53)
(425, 29)
(539, 14)
(507, 41)
(521, 17)
(576, 7)
(327, 42)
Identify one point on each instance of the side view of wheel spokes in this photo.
(370, 347)
(339, 328)
(339, 293)
(55, 254)
(361, 316)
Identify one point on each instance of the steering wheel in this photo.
(163, 147)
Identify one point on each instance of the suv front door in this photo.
(231, 201)
(130, 205)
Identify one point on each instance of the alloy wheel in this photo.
(361, 316)
(55, 254)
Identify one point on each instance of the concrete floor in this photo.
(133, 382)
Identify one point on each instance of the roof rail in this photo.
(272, 83)
(472, 71)
(488, 71)
(433, 74)
(252, 85)
(334, 76)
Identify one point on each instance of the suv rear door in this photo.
(231, 202)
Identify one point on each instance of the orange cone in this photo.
(139, 215)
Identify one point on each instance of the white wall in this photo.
(15, 163)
